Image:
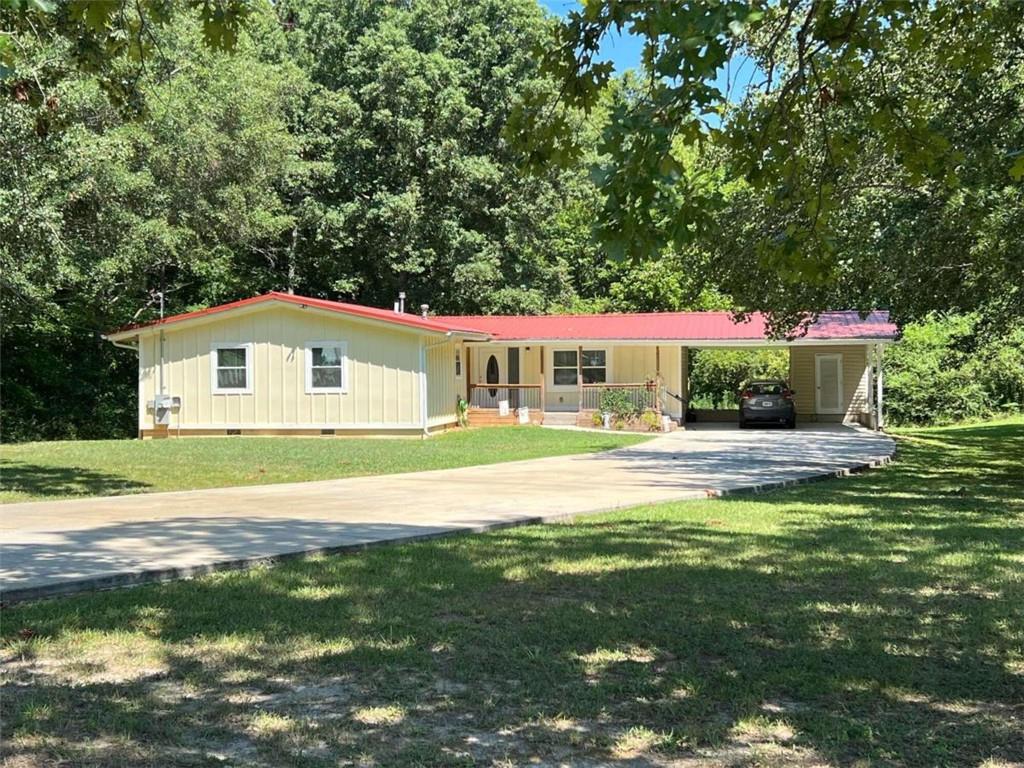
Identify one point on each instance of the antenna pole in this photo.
(161, 294)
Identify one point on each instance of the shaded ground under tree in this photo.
(874, 618)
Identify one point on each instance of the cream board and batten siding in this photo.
(636, 364)
(803, 379)
(443, 387)
(383, 374)
(529, 364)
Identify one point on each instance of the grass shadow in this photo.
(45, 481)
(870, 620)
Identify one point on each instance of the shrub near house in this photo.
(625, 413)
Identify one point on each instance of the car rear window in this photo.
(766, 388)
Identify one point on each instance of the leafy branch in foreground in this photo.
(839, 100)
(96, 37)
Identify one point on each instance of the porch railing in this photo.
(517, 395)
(642, 396)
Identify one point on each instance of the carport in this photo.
(832, 382)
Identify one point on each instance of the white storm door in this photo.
(828, 379)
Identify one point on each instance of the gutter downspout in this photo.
(120, 344)
(423, 379)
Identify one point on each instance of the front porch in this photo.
(506, 383)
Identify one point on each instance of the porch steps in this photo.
(489, 417)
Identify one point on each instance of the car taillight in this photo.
(787, 394)
(746, 393)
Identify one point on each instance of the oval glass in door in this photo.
(493, 374)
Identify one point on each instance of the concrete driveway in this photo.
(57, 547)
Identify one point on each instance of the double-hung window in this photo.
(231, 368)
(458, 363)
(592, 366)
(326, 367)
(564, 368)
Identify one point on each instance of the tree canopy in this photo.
(111, 39)
(875, 150)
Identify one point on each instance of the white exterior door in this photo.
(828, 380)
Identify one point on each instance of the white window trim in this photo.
(587, 348)
(310, 389)
(249, 351)
(459, 363)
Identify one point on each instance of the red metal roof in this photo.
(357, 310)
(675, 326)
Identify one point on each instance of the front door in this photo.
(828, 377)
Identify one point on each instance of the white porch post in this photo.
(878, 387)
(657, 379)
(579, 378)
(872, 414)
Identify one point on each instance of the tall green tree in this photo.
(100, 213)
(343, 149)
(423, 193)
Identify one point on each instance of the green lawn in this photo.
(33, 471)
(868, 621)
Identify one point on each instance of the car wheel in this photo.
(791, 424)
(743, 424)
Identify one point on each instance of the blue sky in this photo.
(624, 51)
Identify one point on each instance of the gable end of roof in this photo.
(374, 314)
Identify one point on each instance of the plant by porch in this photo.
(630, 407)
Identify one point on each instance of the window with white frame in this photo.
(594, 366)
(231, 368)
(326, 364)
(458, 363)
(563, 368)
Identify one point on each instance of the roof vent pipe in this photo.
(401, 302)
(424, 310)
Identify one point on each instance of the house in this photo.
(285, 364)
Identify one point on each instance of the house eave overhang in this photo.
(401, 322)
(796, 342)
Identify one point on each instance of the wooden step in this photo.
(489, 417)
